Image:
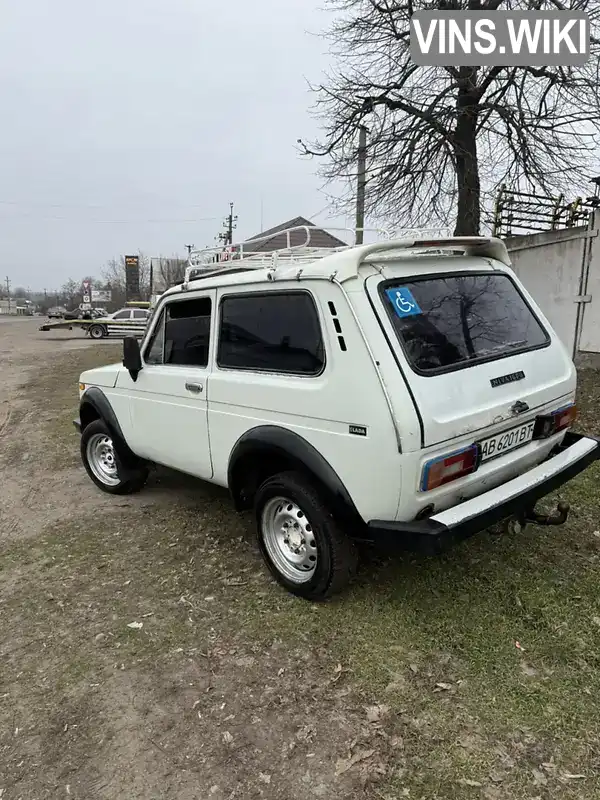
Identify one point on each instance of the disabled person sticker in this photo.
(404, 303)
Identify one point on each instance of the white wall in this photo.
(549, 265)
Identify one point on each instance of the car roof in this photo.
(342, 264)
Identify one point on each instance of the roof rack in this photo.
(202, 263)
(344, 261)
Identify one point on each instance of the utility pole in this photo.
(8, 292)
(229, 225)
(360, 184)
(189, 248)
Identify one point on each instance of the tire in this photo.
(103, 465)
(313, 568)
(97, 331)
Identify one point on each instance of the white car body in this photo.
(375, 420)
(124, 322)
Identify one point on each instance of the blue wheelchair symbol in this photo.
(404, 303)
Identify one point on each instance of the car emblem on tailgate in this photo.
(510, 378)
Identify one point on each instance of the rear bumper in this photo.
(515, 497)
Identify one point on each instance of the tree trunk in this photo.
(467, 167)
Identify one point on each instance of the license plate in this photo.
(507, 440)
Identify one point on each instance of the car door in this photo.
(139, 322)
(168, 401)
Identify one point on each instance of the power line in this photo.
(318, 214)
(37, 204)
(84, 221)
(229, 224)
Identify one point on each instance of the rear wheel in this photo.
(97, 331)
(300, 540)
(103, 465)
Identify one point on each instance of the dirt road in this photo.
(145, 653)
(43, 477)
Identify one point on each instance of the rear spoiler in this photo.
(476, 246)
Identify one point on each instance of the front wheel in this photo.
(97, 331)
(103, 465)
(300, 540)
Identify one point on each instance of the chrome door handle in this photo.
(196, 388)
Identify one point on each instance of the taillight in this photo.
(549, 424)
(448, 468)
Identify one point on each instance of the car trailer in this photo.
(100, 328)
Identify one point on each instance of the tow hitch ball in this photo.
(559, 517)
(515, 524)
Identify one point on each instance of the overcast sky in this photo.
(121, 119)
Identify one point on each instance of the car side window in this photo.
(154, 352)
(187, 332)
(140, 313)
(274, 332)
(123, 315)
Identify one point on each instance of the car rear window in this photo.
(449, 322)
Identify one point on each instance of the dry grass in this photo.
(484, 663)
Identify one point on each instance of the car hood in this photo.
(101, 376)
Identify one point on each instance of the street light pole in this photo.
(360, 184)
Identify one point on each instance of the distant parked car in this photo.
(57, 312)
(134, 321)
(129, 314)
(74, 314)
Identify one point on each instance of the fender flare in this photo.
(96, 398)
(282, 443)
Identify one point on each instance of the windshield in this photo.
(449, 322)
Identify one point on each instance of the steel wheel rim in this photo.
(289, 539)
(96, 332)
(102, 460)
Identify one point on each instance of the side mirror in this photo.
(132, 358)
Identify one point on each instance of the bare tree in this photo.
(442, 138)
(70, 293)
(168, 271)
(113, 275)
